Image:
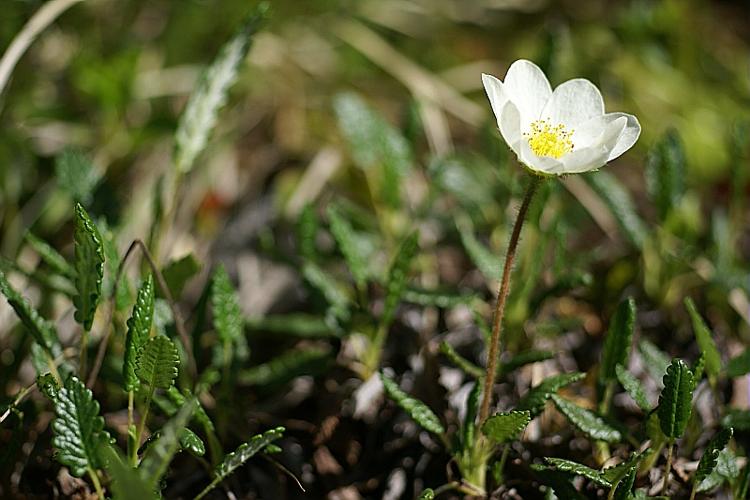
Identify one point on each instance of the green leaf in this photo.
(634, 388)
(675, 400)
(503, 427)
(89, 267)
(228, 319)
(427, 494)
(178, 272)
(618, 341)
(705, 340)
(536, 398)
(192, 443)
(241, 455)
(139, 327)
(294, 325)
(618, 472)
(739, 365)
(159, 454)
(665, 173)
(76, 175)
(47, 385)
(738, 419)
(397, 277)
(78, 429)
(461, 362)
(578, 470)
(40, 329)
(157, 364)
(620, 204)
(710, 456)
(126, 482)
(624, 489)
(726, 469)
(699, 368)
(486, 261)
(307, 228)
(654, 359)
(416, 409)
(587, 421)
(50, 256)
(287, 366)
(201, 112)
(374, 143)
(468, 429)
(345, 238)
(335, 294)
(522, 359)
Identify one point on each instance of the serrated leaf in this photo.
(503, 427)
(241, 455)
(190, 441)
(634, 388)
(536, 398)
(710, 456)
(618, 472)
(159, 454)
(654, 359)
(675, 400)
(579, 470)
(78, 428)
(699, 368)
(126, 482)
(178, 272)
(397, 276)
(486, 261)
(522, 359)
(343, 233)
(618, 341)
(89, 267)
(416, 409)
(158, 362)
(228, 319)
(374, 143)
(287, 366)
(139, 327)
(40, 329)
(726, 469)
(201, 112)
(50, 256)
(739, 365)
(461, 362)
(620, 204)
(47, 385)
(665, 173)
(587, 421)
(76, 175)
(705, 339)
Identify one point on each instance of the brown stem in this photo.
(502, 296)
(178, 322)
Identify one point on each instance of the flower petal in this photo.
(509, 122)
(542, 164)
(628, 137)
(573, 103)
(528, 88)
(596, 154)
(495, 93)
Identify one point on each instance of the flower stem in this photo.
(502, 296)
(97, 484)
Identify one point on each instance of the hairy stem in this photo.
(502, 296)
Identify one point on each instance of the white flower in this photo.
(558, 132)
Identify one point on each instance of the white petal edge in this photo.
(495, 93)
(573, 103)
(509, 123)
(595, 156)
(526, 85)
(542, 164)
(628, 137)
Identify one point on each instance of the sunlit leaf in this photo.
(537, 397)
(675, 400)
(157, 363)
(503, 427)
(416, 409)
(587, 421)
(634, 388)
(139, 327)
(89, 267)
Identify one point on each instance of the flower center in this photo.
(546, 140)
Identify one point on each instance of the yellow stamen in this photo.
(546, 140)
